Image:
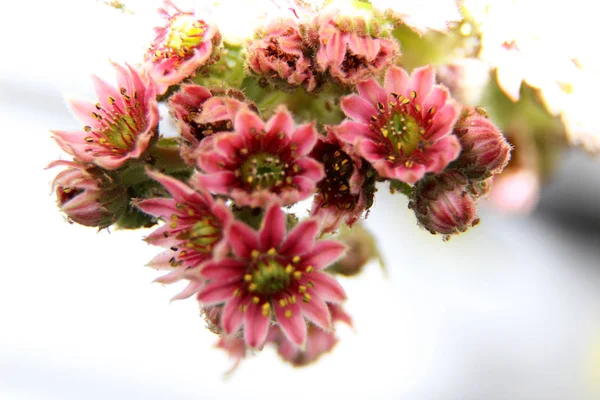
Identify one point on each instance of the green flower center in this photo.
(263, 171)
(185, 34)
(202, 235)
(269, 277)
(403, 132)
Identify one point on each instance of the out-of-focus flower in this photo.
(444, 204)
(318, 341)
(557, 62)
(259, 163)
(183, 45)
(279, 52)
(361, 249)
(273, 274)
(349, 48)
(485, 151)
(199, 113)
(466, 78)
(341, 195)
(117, 128)
(193, 230)
(402, 129)
(422, 15)
(87, 196)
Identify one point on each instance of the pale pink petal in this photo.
(396, 81)
(358, 108)
(217, 292)
(280, 122)
(372, 91)
(421, 81)
(327, 287)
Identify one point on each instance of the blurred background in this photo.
(509, 310)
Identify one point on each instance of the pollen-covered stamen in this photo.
(184, 34)
(118, 128)
(263, 171)
(401, 124)
(335, 187)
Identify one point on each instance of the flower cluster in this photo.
(223, 188)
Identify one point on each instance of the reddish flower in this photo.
(318, 341)
(273, 275)
(198, 114)
(193, 230)
(485, 151)
(117, 128)
(259, 162)
(404, 129)
(280, 53)
(87, 196)
(444, 204)
(340, 195)
(183, 45)
(349, 51)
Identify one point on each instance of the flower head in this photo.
(119, 126)
(193, 230)
(403, 129)
(273, 275)
(200, 112)
(349, 50)
(280, 53)
(444, 203)
(183, 45)
(260, 162)
(485, 151)
(341, 194)
(87, 196)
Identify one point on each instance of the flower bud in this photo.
(87, 196)
(361, 249)
(443, 204)
(485, 151)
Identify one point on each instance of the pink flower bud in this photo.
(281, 53)
(443, 204)
(485, 151)
(87, 196)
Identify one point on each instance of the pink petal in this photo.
(442, 153)
(179, 190)
(242, 239)
(273, 229)
(256, 325)
(316, 310)
(351, 131)
(217, 292)
(301, 239)
(372, 91)
(159, 207)
(324, 253)
(224, 270)
(396, 81)
(191, 289)
(247, 122)
(311, 168)
(327, 287)
(372, 151)
(421, 81)
(358, 108)
(280, 122)
(231, 316)
(405, 174)
(443, 122)
(292, 325)
(336, 49)
(219, 182)
(304, 138)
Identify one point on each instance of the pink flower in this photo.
(318, 341)
(281, 53)
(117, 128)
(349, 51)
(183, 45)
(87, 196)
(341, 195)
(273, 275)
(485, 151)
(259, 163)
(198, 114)
(444, 204)
(403, 129)
(193, 231)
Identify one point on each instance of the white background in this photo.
(510, 310)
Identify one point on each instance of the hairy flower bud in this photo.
(361, 249)
(485, 151)
(87, 196)
(443, 204)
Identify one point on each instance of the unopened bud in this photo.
(443, 204)
(485, 151)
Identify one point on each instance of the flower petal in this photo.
(242, 239)
(358, 108)
(291, 322)
(273, 229)
(301, 239)
(327, 287)
(316, 310)
(256, 325)
(324, 253)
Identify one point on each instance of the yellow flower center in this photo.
(185, 34)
